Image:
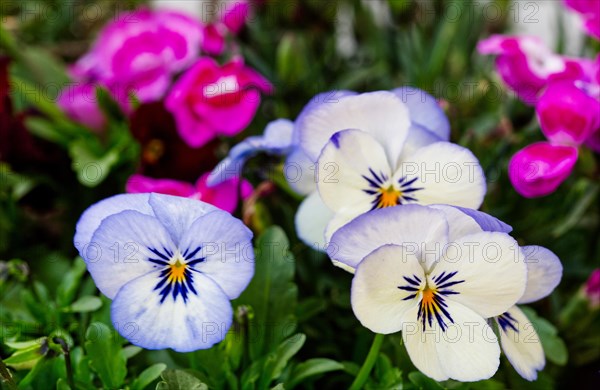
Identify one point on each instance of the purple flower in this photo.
(230, 20)
(526, 64)
(592, 288)
(170, 264)
(80, 104)
(590, 12)
(224, 196)
(538, 169)
(211, 100)
(140, 52)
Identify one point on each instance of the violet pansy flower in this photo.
(171, 265)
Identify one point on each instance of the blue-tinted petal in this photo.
(276, 140)
(329, 97)
(226, 253)
(300, 172)
(177, 214)
(93, 216)
(199, 322)
(544, 271)
(125, 246)
(400, 225)
(486, 221)
(425, 111)
(418, 137)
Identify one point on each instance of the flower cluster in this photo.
(566, 95)
(161, 58)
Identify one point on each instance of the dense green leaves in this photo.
(107, 358)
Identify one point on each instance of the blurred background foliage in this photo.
(52, 169)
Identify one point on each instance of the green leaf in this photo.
(311, 368)
(272, 294)
(278, 361)
(554, 347)
(85, 304)
(90, 167)
(148, 376)
(179, 380)
(67, 288)
(131, 350)
(109, 106)
(106, 356)
(62, 384)
(423, 382)
(27, 358)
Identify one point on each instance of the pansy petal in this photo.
(521, 343)
(300, 172)
(425, 111)
(447, 174)
(486, 221)
(177, 214)
(467, 350)
(544, 271)
(311, 220)
(402, 225)
(385, 286)
(459, 223)
(491, 269)
(338, 220)
(222, 247)
(122, 248)
(197, 323)
(352, 165)
(93, 216)
(380, 114)
(418, 137)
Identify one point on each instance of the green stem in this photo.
(367, 366)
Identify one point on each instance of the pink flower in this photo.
(592, 288)
(590, 11)
(225, 195)
(80, 104)
(538, 169)
(526, 64)
(567, 115)
(211, 100)
(231, 17)
(140, 52)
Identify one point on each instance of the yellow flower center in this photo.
(177, 272)
(389, 197)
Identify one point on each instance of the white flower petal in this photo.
(121, 247)
(312, 218)
(521, 344)
(351, 163)
(385, 286)
(424, 230)
(380, 114)
(93, 216)
(139, 316)
(338, 220)
(467, 350)
(418, 137)
(225, 244)
(459, 223)
(425, 111)
(177, 214)
(544, 271)
(448, 174)
(300, 172)
(492, 268)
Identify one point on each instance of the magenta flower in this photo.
(592, 288)
(567, 114)
(526, 64)
(211, 100)
(224, 195)
(140, 51)
(590, 12)
(538, 169)
(80, 104)
(230, 20)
